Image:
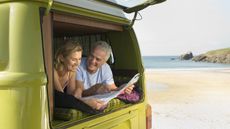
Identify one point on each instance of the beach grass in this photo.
(219, 52)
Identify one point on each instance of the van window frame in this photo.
(47, 38)
(48, 32)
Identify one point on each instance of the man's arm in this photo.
(106, 88)
(99, 89)
(93, 90)
(112, 87)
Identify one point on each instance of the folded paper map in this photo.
(106, 97)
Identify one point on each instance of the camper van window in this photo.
(86, 34)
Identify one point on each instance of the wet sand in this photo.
(192, 99)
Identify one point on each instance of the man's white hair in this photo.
(103, 46)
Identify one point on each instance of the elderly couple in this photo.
(76, 77)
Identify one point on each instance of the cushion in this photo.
(66, 114)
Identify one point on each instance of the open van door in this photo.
(131, 6)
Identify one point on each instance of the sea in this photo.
(173, 62)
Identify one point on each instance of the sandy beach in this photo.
(189, 99)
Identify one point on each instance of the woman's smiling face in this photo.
(73, 61)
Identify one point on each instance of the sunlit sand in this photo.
(189, 99)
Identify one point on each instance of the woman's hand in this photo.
(94, 103)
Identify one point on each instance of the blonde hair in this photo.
(65, 50)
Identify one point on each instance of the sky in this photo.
(179, 26)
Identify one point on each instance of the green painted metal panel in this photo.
(23, 91)
(4, 36)
(25, 42)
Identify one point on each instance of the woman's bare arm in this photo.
(75, 87)
(57, 84)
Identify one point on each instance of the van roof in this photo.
(102, 6)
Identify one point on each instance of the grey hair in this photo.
(103, 46)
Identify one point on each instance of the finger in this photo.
(127, 91)
(131, 86)
(99, 101)
(97, 106)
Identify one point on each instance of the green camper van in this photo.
(31, 31)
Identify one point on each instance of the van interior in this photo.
(58, 27)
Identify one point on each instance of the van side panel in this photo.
(132, 117)
(23, 101)
(24, 38)
(23, 93)
(4, 36)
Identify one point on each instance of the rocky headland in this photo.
(186, 56)
(215, 56)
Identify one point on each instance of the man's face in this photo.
(96, 59)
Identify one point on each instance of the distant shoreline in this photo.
(171, 62)
(185, 69)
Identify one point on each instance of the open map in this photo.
(108, 96)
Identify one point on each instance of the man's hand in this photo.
(129, 89)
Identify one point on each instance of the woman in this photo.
(67, 59)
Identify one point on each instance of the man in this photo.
(94, 75)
